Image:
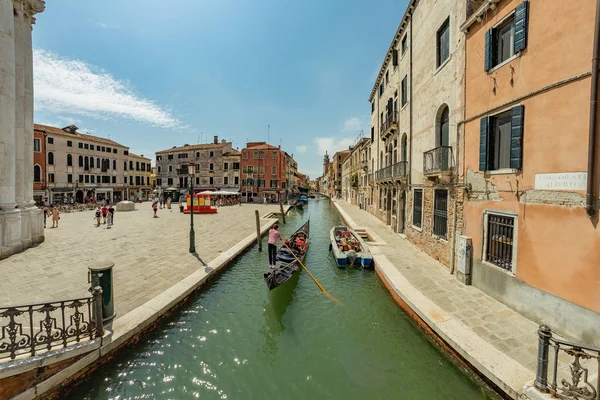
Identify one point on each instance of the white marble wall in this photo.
(21, 223)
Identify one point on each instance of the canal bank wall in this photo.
(50, 375)
(470, 351)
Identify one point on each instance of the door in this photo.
(402, 219)
(444, 139)
(389, 207)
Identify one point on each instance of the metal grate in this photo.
(440, 214)
(500, 234)
(418, 207)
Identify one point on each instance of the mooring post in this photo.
(97, 299)
(258, 238)
(281, 207)
(541, 379)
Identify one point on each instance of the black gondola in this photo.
(287, 265)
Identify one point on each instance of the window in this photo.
(211, 167)
(273, 170)
(262, 155)
(87, 179)
(37, 173)
(395, 57)
(51, 178)
(197, 154)
(93, 179)
(417, 208)
(86, 163)
(211, 154)
(372, 134)
(114, 152)
(380, 89)
(131, 180)
(170, 168)
(159, 182)
(91, 147)
(225, 166)
(245, 155)
(114, 179)
(274, 155)
(197, 181)
(125, 152)
(69, 160)
(500, 140)
(404, 44)
(211, 180)
(125, 165)
(114, 164)
(440, 214)
(159, 169)
(86, 146)
(236, 180)
(108, 149)
(92, 162)
(387, 77)
(69, 143)
(256, 155)
(103, 149)
(69, 178)
(404, 90)
(273, 183)
(50, 140)
(137, 165)
(80, 145)
(508, 38)
(170, 157)
(137, 180)
(147, 180)
(225, 180)
(372, 106)
(36, 145)
(236, 166)
(98, 162)
(50, 158)
(80, 178)
(499, 230)
(443, 43)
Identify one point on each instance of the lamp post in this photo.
(191, 173)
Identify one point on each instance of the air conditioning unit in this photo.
(465, 260)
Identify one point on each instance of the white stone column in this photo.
(20, 33)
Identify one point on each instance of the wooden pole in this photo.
(258, 237)
(281, 207)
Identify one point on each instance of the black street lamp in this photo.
(191, 173)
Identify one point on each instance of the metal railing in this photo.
(437, 160)
(397, 170)
(29, 329)
(390, 119)
(578, 386)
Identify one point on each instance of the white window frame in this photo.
(515, 55)
(39, 142)
(486, 214)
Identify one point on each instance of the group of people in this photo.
(51, 211)
(106, 214)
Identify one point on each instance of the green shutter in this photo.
(483, 143)
(516, 136)
(488, 49)
(521, 16)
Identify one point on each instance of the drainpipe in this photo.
(589, 198)
(410, 153)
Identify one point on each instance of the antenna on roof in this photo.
(268, 133)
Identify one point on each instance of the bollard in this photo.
(97, 311)
(258, 238)
(281, 207)
(100, 275)
(541, 377)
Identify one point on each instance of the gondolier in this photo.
(286, 259)
(274, 238)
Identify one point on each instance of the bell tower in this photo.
(326, 164)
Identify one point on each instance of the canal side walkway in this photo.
(500, 343)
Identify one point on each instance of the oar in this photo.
(313, 278)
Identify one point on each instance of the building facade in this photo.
(338, 160)
(355, 173)
(231, 171)
(21, 222)
(526, 141)
(264, 172)
(138, 174)
(40, 194)
(209, 158)
(80, 166)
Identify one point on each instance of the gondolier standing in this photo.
(274, 237)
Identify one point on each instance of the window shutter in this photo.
(516, 136)
(483, 143)
(521, 16)
(488, 50)
(395, 57)
(390, 105)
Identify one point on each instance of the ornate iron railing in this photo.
(397, 170)
(578, 387)
(437, 160)
(26, 330)
(390, 119)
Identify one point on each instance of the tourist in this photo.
(155, 208)
(180, 205)
(265, 201)
(104, 212)
(55, 216)
(111, 211)
(45, 210)
(109, 218)
(98, 215)
(274, 238)
(161, 201)
(169, 202)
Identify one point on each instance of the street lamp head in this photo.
(191, 169)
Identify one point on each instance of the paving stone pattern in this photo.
(150, 254)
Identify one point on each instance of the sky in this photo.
(153, 74)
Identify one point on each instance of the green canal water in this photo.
(236, 340)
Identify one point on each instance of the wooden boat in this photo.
(287, 265)
(349, 248)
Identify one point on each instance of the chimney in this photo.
(223, 141)
(216, 139)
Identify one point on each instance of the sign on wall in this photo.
(561, 181)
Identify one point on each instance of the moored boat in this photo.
(349, 248)
(286, 264)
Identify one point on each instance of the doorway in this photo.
(388, 207)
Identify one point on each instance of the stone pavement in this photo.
(150, 254)
(508, 332)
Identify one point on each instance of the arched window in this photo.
(114, 164)
(69, 160)
(443, 132)
(92, 162)
(37, 173)
(403, 148)
(81, 161)
(50, 158)
(86, 163)
(98, 162)
(159, 169)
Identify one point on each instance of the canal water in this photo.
(236, 340)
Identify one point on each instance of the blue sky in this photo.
(154, 74)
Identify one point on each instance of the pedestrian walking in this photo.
(274, 237)
(265, 201)
(169, 202)
(98, 215)
(109, 219)
(104, 212)
(155, 208)
(161, 200)
(45, 210)
(55, 216)
(111, 211)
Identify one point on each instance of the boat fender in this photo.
(330, 247)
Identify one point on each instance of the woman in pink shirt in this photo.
(274, 237)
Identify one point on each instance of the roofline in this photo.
(401, 29)
(87, 136)
(477, 15)
(182, 148)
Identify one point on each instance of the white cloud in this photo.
(331, 145)
(352, 124)
(301, 149)
(101, 25)
(72, 86)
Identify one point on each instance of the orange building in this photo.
(264, 172)
(40, 195)
(525, 161)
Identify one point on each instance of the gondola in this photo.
(349, 248)
(286, 264)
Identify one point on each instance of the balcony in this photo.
(390, 125)
(438, 162)
(394, 172)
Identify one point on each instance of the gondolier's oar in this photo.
(313, 278)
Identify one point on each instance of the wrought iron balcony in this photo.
(396, 171)
(438, 161)
(390, 125)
